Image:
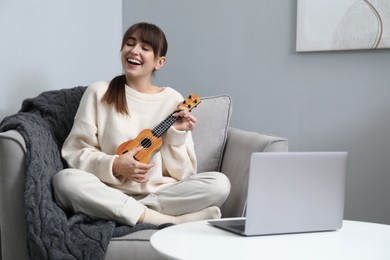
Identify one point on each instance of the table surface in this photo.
(199, 240)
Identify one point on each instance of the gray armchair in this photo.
(218, 147)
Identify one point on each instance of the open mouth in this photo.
(134, 61)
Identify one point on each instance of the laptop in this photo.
(292, 192)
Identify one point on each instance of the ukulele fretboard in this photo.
(161, 128)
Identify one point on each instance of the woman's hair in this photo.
(150, 34)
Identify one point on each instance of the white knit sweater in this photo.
(98, 130)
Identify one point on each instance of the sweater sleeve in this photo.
(178, 154)
(82, 150)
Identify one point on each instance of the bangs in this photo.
(150, 34)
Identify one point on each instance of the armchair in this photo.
(218, 147)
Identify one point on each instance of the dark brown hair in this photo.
(150, 34)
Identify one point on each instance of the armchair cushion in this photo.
(210, 132)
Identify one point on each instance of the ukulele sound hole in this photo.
(146, 142)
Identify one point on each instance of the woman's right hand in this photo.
(125, 165)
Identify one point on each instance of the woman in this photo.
(102, 184)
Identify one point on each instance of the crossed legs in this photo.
(195, 198)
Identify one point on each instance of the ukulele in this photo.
(150, 139)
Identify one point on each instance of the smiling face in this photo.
(143, 51)
(138, 58)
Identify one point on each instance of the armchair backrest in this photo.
(210, 132)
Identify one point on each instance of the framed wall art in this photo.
(326, 25)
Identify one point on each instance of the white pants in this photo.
(81, 191)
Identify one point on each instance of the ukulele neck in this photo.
(161, 128)
(189, 103)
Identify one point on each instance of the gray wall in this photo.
(56, 44)
(319, 101)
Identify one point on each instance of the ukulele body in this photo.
(147, 140)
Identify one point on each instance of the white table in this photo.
(199, 240)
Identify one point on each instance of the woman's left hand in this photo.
(185, 121)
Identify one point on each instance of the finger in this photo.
(182, 112)
(136, 150)
(193, 119)
(177, 114)
(141, 177)
(190, 127)
(141, 180)
(144, 166)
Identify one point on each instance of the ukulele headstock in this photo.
(191, 102)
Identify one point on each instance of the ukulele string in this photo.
(159, 131)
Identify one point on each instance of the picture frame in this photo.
(330, 25)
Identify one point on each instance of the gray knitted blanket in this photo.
(45, 122)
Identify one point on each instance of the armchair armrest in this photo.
(239, 146)
(12, 180)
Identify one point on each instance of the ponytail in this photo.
(116, 94)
